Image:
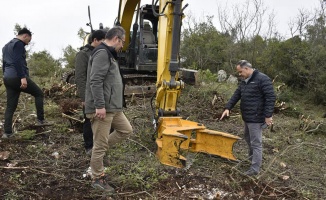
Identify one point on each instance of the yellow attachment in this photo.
(214, 142)
(170, 154)
(176, 136)
(166, 98)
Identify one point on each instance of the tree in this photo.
(315, 34)
(18, 27)
(82, 34)
(298, 25)
(69, 54)
(253, 50)
(266, 61)
(246, 20)
(203, 47)
(43, 64)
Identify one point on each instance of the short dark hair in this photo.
(98, 34)
(115, 31)
(25, 31)
(244, 63)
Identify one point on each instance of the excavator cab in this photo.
(141, 53)
(147, 37)
(138, 58)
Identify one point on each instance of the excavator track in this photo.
(135, 84)
(139, 84)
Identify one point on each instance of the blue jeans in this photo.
(13, 91)
(253, 137)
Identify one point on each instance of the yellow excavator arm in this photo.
(125, 16)
(175, 135)
(169, 30)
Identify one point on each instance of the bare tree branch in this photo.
(246, 20)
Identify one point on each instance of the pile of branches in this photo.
(65, 95)
(59, 91)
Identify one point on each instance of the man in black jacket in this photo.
(257, 105)
(16, 79)
(81, 63)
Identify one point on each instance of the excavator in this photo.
(152, 51)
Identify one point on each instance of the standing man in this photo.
(16, 79)
(257, 105)
(81, 64)
(104, 102)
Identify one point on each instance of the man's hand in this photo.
(269, 121)
(100, 113)
(23, 82)
(226, 112)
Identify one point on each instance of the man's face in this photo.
(244, 72)
(119, 42)
(97, 42)
(26, 39)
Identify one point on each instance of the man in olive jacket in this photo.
(81, 63)
(104, 102)
(257, 105)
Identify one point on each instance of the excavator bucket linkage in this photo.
(176, 135)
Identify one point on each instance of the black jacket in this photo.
(257, 98)
(14, 59)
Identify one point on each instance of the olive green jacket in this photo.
(81, 64)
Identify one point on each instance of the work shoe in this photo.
(44, 123)
(7, 135)
(251, 172)
(100, 183)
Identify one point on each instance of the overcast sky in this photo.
(55, 23)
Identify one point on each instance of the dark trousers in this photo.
(87, 132)
(13, 91)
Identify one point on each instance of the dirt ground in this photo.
(50, 162)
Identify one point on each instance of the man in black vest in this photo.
(16, 79)
(257, 105)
